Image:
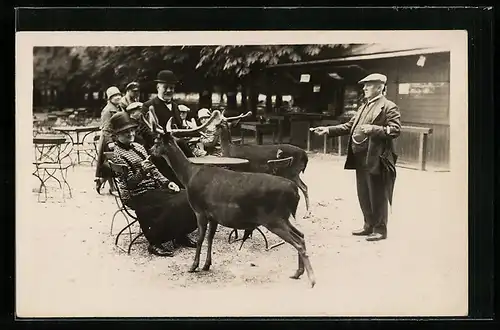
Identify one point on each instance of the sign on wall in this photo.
(305, 78)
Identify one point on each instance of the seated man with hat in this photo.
(162, 209)
(131, 95)
(143, 134)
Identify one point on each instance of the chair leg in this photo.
(64, 176)
(264, 236)
(131, 243)
(125, 228)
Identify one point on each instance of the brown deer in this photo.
(233, 199)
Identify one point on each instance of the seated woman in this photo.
(162, 209)
(210, 141)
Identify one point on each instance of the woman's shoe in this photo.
(160, 251)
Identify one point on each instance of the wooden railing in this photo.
(423, 137)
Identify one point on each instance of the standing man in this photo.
(131, 95)
(371, 153)
(162, 103)
(163, 107)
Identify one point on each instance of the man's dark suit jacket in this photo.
(163, 112)
(380, 157)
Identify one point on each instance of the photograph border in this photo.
(477, 22)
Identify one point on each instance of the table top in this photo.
(214, 160)
(49, 139)
(90, 128)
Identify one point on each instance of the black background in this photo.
(477, 21)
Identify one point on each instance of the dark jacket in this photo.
(385, 115)
(380, 156)
(163, 112)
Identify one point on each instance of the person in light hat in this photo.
(186, 120)
(131, 94)
(371, 153)
(103, 173)
(210, 140)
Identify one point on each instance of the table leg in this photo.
(260, 136)
(242, 136)
(257, 136)
(78, 147)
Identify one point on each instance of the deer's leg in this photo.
(303, 187)
(290, 234)
(212, 228)
(202, 229)
(305, 258)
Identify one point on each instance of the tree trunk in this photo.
(279, 101)
(244, 95)
(205, 99)
(253, 100)
(269, 102)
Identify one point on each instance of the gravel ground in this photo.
(68, 265)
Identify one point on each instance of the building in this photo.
(418, 81)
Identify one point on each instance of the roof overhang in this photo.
(411, 52)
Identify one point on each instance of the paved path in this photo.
(68, 265)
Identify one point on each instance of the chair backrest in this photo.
(117, 168)
(281, 162)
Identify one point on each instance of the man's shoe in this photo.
(185, 241)
(362, 232)
(376, 237)
(160, 251)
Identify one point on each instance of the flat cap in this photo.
(374, 77)
(131, 86)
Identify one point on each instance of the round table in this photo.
(86, 130)
(45, 144)
(231, 163)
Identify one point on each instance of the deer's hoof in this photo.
(295, 276)
(192, 270)
(312, 284)
(206, 267)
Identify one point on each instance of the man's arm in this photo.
(392, 127)
(342, 129)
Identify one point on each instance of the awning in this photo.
(411, 52)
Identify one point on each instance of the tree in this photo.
(232, 64)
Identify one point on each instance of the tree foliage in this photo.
(99, 67)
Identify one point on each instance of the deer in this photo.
(238, 200)
(259, 155)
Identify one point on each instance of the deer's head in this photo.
(171, 133)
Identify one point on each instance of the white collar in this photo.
(374, 99)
